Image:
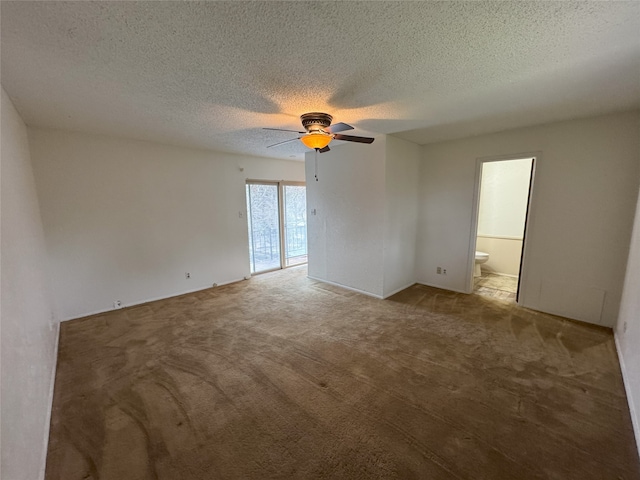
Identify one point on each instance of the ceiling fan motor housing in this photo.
(315, 121)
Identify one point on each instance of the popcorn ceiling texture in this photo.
(211, 74)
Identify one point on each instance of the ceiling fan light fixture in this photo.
(320, 132)
(316, 140)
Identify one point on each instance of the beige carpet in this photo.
(284, 377)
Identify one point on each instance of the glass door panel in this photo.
(264, 222)
(295, 224)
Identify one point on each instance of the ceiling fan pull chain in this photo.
(316, 165)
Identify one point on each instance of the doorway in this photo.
(277, 223)
(504, 188)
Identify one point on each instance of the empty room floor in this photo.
(281, 376)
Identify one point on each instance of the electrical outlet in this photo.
(117, 304)
(439, 270)
(187, 275)
(624, 327)
(444, 271)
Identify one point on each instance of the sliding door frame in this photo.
(250, 219)
(280, 184)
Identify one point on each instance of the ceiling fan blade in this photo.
(325, 149)
(352, 138)
(283, 130)
(338, 127)
(280, 143)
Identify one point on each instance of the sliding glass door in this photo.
(264, 226)
(277, 221)
(295, 224)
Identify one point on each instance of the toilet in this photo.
(481, 257)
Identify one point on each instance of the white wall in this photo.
(29, 335)
(581, 213)
(364, 232)
(504, 254)
(503, 198)
(401, 214)
(124, 220)
(628, 327)
(346, 235)
(502, 212)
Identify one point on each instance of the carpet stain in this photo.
(282, 377)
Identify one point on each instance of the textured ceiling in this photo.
(211, 74)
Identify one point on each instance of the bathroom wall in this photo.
(504, 254)
(503, 198)
(502, 213)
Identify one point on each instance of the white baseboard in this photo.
(369, 294)
(399, 289)
(635, 421)
(154, 299)
(443, 288)
(52, 383)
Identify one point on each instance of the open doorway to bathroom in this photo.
(504, 191)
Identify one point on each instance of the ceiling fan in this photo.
(319, 132)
